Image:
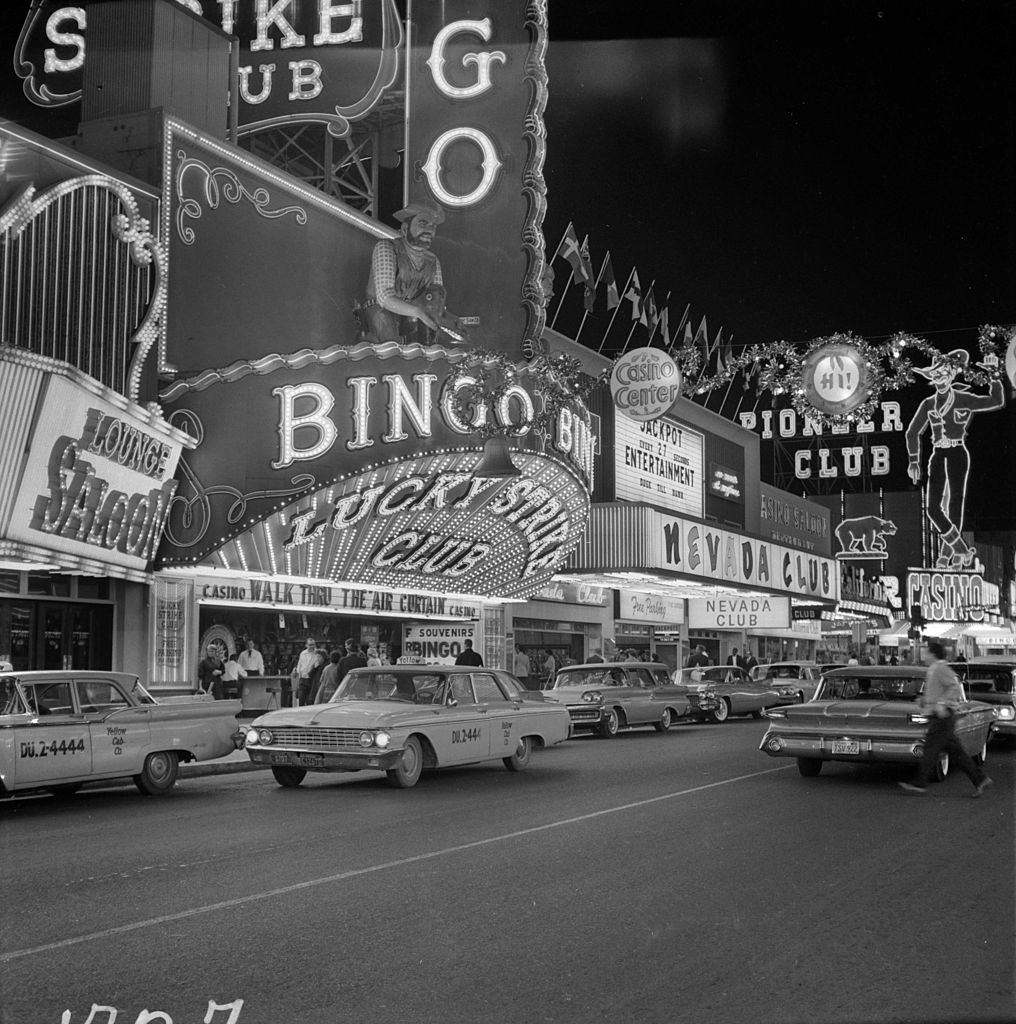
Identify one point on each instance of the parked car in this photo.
(61, 729)
(803, 676)
(736, 692)
(605, 697)
(992, 679)
(869, 713)
(405, 718)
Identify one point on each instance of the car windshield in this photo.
(401, 687)
(871, 688)
(784, 671)
(988, 679)
(590, 677)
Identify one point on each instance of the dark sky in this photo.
(792, 170)
(787, 169)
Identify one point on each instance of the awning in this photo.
(991, 636)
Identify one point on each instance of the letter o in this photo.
(432, 168)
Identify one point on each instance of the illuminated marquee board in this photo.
(355, 465)
(97, 491)
(659, 462)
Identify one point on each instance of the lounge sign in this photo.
(98, 489)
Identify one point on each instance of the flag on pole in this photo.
(634, 296)
(649, 315)
(589, 298)
(607, 277)
(665, 326)
(702, 336)
(571, 251)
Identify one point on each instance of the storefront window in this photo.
(10, 582)
(48, 584)
(93, 588)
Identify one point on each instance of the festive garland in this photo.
(559, 380)
(777, 367)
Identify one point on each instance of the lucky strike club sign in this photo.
(363, 471)
(310, 59)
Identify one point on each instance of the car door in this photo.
(52, 743)
(464, 726)
(744, 694)
(120, 730)
(502, 717)
(641, 708)
(663, 691)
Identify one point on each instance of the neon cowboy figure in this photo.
(948, 413)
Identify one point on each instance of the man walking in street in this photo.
(521, 666)
(941, 696)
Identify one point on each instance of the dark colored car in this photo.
(869, 713)
(737, 692)
(605, 697)
(992, 679)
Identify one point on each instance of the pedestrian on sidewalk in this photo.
(940, 698)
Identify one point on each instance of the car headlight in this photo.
(382, 739)
(1006, 714)
(366, 739)
(592, 697)
(262, 736)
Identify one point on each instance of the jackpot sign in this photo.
(368, 475)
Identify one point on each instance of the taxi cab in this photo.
(403, 719)
(61, 729)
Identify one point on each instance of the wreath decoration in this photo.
(779, 367)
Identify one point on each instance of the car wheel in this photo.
(406, 773)
(941, 769)
(67, 789)
(610, 725)
(809, 767)
(722, 713)
(519, 761)
(158, 774)
(287, 776)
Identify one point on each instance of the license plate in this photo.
(846, 747)
(281, 759)
(310, 760)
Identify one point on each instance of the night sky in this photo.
(792, 170)
(786, 169)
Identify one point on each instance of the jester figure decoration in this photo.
(947, 414)
(405, 291)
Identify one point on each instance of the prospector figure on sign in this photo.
(405, 292)
(947, 414)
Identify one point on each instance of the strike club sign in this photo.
(304, 60)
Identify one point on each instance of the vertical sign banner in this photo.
(475, 146)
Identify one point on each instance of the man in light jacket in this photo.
(941, 696)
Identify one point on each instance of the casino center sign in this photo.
(645, 383)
